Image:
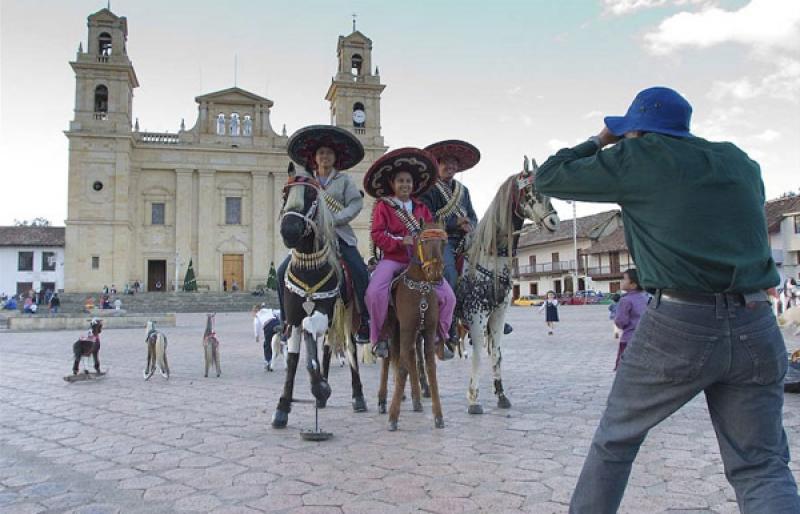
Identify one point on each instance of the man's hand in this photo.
(408, 240)
(464, 224)
(607, 138)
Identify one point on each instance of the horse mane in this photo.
(494, 228)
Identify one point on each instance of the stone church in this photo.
(142, 204)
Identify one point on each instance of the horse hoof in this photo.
(417, 406)
(280, 419)
(218, 374)
(205, 376)
(475, 409)
(503, 403)
(320, 403)
(392, 426)
(426, 393)
(359, 405)
(382, 406)
(438, 422)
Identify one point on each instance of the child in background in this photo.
(630, 309)
(612, 313)
(550, 307)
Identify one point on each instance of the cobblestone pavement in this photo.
(204, 444)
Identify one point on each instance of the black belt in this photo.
(700, 298)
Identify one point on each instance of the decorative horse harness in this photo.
(423, 287)
(309, 261)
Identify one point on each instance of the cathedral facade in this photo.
(141, 205)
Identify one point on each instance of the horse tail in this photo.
(339, 331)
(161, 351)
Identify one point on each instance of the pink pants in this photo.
(378, 299)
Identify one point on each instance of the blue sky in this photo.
(513, 77)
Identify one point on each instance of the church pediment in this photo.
(358, 36)
(233, 245)
(103, 15)
(234, 96)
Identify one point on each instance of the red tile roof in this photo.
(31, 236)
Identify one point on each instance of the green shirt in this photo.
(693, 210)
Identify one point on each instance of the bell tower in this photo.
(104, 77)
(355, 91)
(99, 209)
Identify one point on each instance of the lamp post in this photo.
(177, 264)
(574, 245)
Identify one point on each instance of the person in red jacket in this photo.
(396, 180)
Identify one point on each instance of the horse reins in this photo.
(424, 287)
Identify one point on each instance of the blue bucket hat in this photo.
(657, 109)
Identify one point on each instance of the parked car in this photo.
(528, 301)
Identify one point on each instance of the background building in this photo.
(141, 204)
(31, 258)
(783, 223)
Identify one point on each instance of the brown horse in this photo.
(88, 345)
(415, 315)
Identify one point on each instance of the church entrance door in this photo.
(232, 271)
(157, 275)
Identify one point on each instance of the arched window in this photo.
(221, 124)
(104, 44)
(247, 125)
(359, 115)
(355, 64)
(234, 124)
(101, 99)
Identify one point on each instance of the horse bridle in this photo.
(308, 217)
(428, 234)
(524, 181)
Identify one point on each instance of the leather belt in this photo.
(701, 298)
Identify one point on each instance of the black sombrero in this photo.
(419, 163)
(304, 144)
(466, 154)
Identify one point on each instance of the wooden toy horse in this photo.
(211, 345)
(156, 352)
(415, 316)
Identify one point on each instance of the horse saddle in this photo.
(346, 287)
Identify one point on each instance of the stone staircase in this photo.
(174, 302)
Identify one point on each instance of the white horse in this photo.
(484, 290)
(156, 352)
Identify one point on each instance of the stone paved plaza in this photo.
(204, 444)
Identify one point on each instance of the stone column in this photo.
(260, 220)
(207, 266)
(279, 249)
(183, 218)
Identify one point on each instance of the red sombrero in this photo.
(466, 154)
(304, 144)
(419, 163)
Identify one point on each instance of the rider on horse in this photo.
(396, 180)
(450, 203)
(326, 153)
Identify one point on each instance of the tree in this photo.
(35, 222)
(272, 278)
(189, 282)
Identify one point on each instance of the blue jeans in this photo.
(358, 272)
(733, 354)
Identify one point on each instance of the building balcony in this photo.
(607, 272)
(547, 269)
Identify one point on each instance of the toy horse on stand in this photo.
(156, 352)
(313, 281)
(484, 290)
(211, 345)
(84, 347)
(414, 319)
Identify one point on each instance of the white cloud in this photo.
(557, 144)
(768, 136)
(783, 84)
(621, 7)
(761, 24)
(527, 120)
(593, 114)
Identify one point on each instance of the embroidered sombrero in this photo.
(419, 163)
(466, 154)
(304, 143)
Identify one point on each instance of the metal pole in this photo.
(575, 246)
